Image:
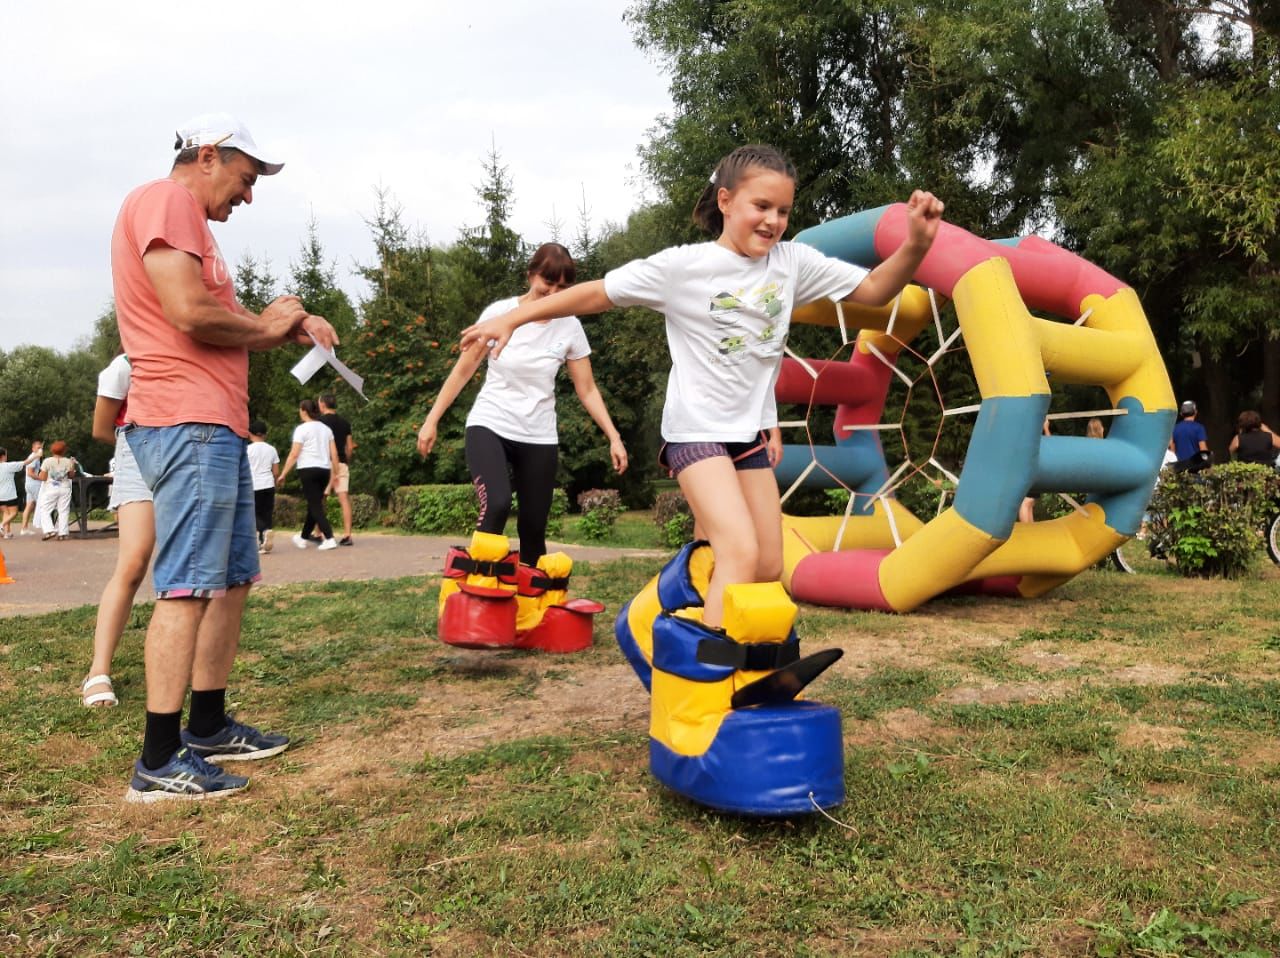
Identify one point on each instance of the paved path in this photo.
(59, 575)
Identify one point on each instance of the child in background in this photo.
(728, 308)
(264, 466)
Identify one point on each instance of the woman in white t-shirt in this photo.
(316, 456)
(511, 439)
(728, 309)
(135, 520)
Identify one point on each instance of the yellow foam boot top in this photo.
(758, 612)
(489, 546)
(553, 565)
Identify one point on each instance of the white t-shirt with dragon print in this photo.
(727, 321)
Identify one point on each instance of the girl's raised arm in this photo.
(924, 216)
(580, 300)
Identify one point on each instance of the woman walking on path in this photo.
(9, 472)
(511, 441)
(316, 456)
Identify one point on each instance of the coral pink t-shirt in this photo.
(175, 379)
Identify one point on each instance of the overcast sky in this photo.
(352, 95)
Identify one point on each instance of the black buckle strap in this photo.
(541, 582)
(749, 656)
(497, 569)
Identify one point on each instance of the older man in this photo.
(188, 341)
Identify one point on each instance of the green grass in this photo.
(1092, 773)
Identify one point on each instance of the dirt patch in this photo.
(1148, 674)
(1038, 656)
(1159, 737)
(900, 725)
(1005, 693)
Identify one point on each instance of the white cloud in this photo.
(407, 96)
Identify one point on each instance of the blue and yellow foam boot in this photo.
(681, 584)
(725, 728)
(478, 594)
(546, 618)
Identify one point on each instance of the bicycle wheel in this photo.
(1273, 540)
(1120, 563)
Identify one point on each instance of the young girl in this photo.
(728, 308)
(512, 425)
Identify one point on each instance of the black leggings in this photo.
(264, 508)
(314, 482)
(532, 476)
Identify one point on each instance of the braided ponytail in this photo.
(729, 172)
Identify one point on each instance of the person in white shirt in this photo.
(316, 456)
(728, 308)
(264, 468)
(9, 472)
(135, 519)
(511, 439)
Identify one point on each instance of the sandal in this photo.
(103, 699)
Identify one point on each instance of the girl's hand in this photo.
(618, 453)
(280, 479)
(773, 446)
(496, 332)
(426, 438)
(924, 216)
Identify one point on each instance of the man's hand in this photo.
(281, 317)
(318, 327)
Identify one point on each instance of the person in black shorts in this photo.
(342, 439)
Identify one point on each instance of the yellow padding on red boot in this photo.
(484, 547)
(531, 608)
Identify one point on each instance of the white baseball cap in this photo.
(223, 129)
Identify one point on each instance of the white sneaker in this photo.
(300, 542)
(330, 543)
(25, 532)
(268, 540)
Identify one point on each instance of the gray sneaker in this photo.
(185, 777)
(236, 743)
(268, 540)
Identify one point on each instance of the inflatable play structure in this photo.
(727, 726)
(490, 600)
(881, 556)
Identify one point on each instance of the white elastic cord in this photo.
(802, 361)
(813, 464)
(945, 345)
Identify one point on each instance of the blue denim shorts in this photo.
(126, 483)
(206, 540)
